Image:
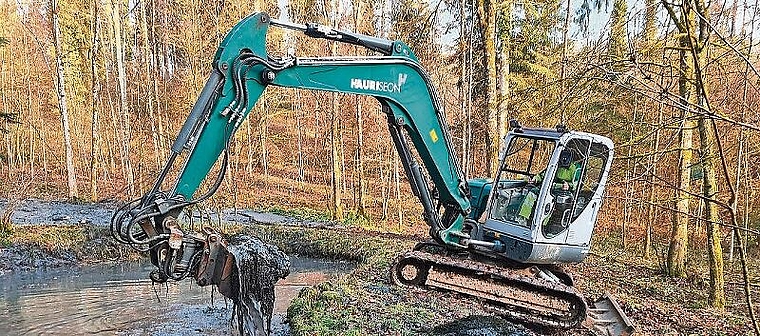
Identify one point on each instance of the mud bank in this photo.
(47, 247)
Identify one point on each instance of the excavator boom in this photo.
(242, 70)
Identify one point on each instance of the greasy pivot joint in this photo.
(268, 76)
(158, 276)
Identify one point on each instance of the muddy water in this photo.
(119, 300)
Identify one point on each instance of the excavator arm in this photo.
(241, 71)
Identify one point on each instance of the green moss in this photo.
(5, 237)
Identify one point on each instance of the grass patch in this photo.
(52, 237)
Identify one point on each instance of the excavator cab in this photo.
(545, 199)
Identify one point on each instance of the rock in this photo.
(381, 289)
(59, 218)
(480, 326)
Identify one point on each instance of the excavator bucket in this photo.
(218, 267)
(605, 317)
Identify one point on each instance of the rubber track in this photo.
(509, 278)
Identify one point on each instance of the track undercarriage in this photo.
(526, 294)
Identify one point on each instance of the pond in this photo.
(119, 299)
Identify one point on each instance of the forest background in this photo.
(92, 93)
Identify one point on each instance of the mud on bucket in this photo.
(245, 270)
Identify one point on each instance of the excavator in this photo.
(501, 241)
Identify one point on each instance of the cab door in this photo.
(589, 194)
(562, 203)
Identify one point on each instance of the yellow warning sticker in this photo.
(434, 135)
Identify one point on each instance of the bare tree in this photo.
(693, 39)
(115, 11)
(94, 88)
(487, 15)
(63, 109)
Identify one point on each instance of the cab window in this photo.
(516, 192)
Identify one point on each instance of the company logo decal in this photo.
(380, 86)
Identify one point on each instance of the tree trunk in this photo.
(707, 141)
(467, 162)
(61, 90)
(361, 207)
(679, 239)
(650, 27)
(651, 213)
(563, 68)
(710, 190)
(462, 84)
(360, 204)
(94, 163)
(487, 14)
(397, 183)
(147, 55)
(385, 183)
(263, 146)
(337, 196)
(298, 108)
(123, 103)
(504, 70)
(335, 150)
(618, 47)
(154, 78)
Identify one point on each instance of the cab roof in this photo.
(558, 133)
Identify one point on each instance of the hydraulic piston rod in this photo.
(316, 30)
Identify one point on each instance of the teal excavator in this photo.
(500, 240)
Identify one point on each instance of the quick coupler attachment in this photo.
(217, 266)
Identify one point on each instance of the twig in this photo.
(742, 284)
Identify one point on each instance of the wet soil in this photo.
(28, 257)
(35, 211)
